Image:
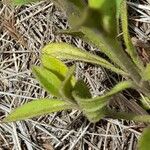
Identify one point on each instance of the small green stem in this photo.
(127, 116)
(131, 50)
(130, 66)
(124, 59)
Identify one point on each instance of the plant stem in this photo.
(125, 60)
(127, 116)
(117, 55)
(131, 50)
(130, 67)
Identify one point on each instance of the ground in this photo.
(23, 32)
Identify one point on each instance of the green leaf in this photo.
(66, 51)
(81, 93)
(55, 66)
(36, 108)
(119, 87)
(66, 86)
(131, 50)
(97, 40)
(117, 54)
(91, 104)
(81, 89)
(144, 141)
(48, 80)
(95, 106)
(146, 73)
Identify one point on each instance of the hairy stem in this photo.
(127, 116)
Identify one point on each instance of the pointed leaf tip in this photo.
(36, 108)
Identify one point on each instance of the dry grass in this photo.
(23, 32)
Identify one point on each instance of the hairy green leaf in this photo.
(144, 142)
(91, 104)
(119, 87)
(92, 109)
(115, 53)
(96, 106)
(104, 98)
(57, 67)
(98, 40)
(54, 65)
(81, 89)
(48, 80)
(66, 51)
(36, 108)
